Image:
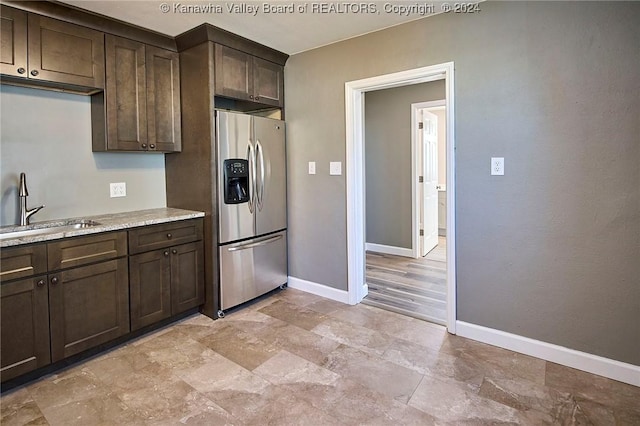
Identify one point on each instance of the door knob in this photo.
(34, 72)
(166, 253)
(144, 146)
(40, 283)
(174, 251)
(152, 146)
(21, 70)
(54, 280)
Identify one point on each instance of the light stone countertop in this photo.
(106, 222)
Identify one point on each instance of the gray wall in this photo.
(388, 160)
(550, 250)
(47, 135)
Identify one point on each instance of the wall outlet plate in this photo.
(335, 168)
(118, 189)
(497, 166)
(312, 167)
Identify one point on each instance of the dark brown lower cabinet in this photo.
(89, 305)
(150, 281)
(165, 282)
(25, 326)
(187, 277)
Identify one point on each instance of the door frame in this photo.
(354, 121)
(416, 170)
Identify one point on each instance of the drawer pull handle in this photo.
(40, 283)
(54, 280)
(174, 251)
(169, 236)
(166, 253)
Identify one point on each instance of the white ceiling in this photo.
(288, 32)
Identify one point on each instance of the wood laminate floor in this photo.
(414, 287)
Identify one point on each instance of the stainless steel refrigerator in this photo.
(252, 208)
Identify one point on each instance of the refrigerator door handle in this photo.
(252, 176)
(255, 243)
(260, 154)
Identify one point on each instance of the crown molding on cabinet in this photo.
(94, 21)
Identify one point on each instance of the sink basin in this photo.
(46, 228)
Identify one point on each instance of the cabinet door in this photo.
(233, 73)
(13, 51)
(187, 277)
(24, 327)
(89, 306)
(65, 53)
(150, 287)
(126, 94)
(268, 82)
(163, 100)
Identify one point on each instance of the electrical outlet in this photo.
(312, 167)
(118, 189)
(497, 166)
(335, 168)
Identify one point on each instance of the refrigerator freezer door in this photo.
(271, 176)
(252, 268)
(234, 141)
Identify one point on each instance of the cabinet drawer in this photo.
(69, 253)
(160, 236)
(22, 262)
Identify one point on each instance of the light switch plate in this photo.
(335, 168)
(312, 167)
(497, 166)
(118, 189)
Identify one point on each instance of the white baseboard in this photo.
(397, 251)
(616, 370)
(319, 289)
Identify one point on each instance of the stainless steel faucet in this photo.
(25, 213)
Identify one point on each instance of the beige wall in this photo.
(388, 161)
(47, 135)
(550, 250)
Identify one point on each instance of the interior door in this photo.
(271, 176)
(234, 141)
(429, 219)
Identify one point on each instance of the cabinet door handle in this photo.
(144, 146)
(166, 253)
(250, 96)
(54, 280)
(174, 251)
(21, 70)
(34, 72)
(152, 146)
(169, 236)
(40, 283)
(257, 98)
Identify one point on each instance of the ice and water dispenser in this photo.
(236, 181)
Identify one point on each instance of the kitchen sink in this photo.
(45, 228)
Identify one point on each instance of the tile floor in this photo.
(298, 359)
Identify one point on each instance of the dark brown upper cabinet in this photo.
(239, 75)
(13, 52)
(65, 53)
(140, 109)
(48, 52)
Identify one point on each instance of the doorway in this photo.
(354, 106)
